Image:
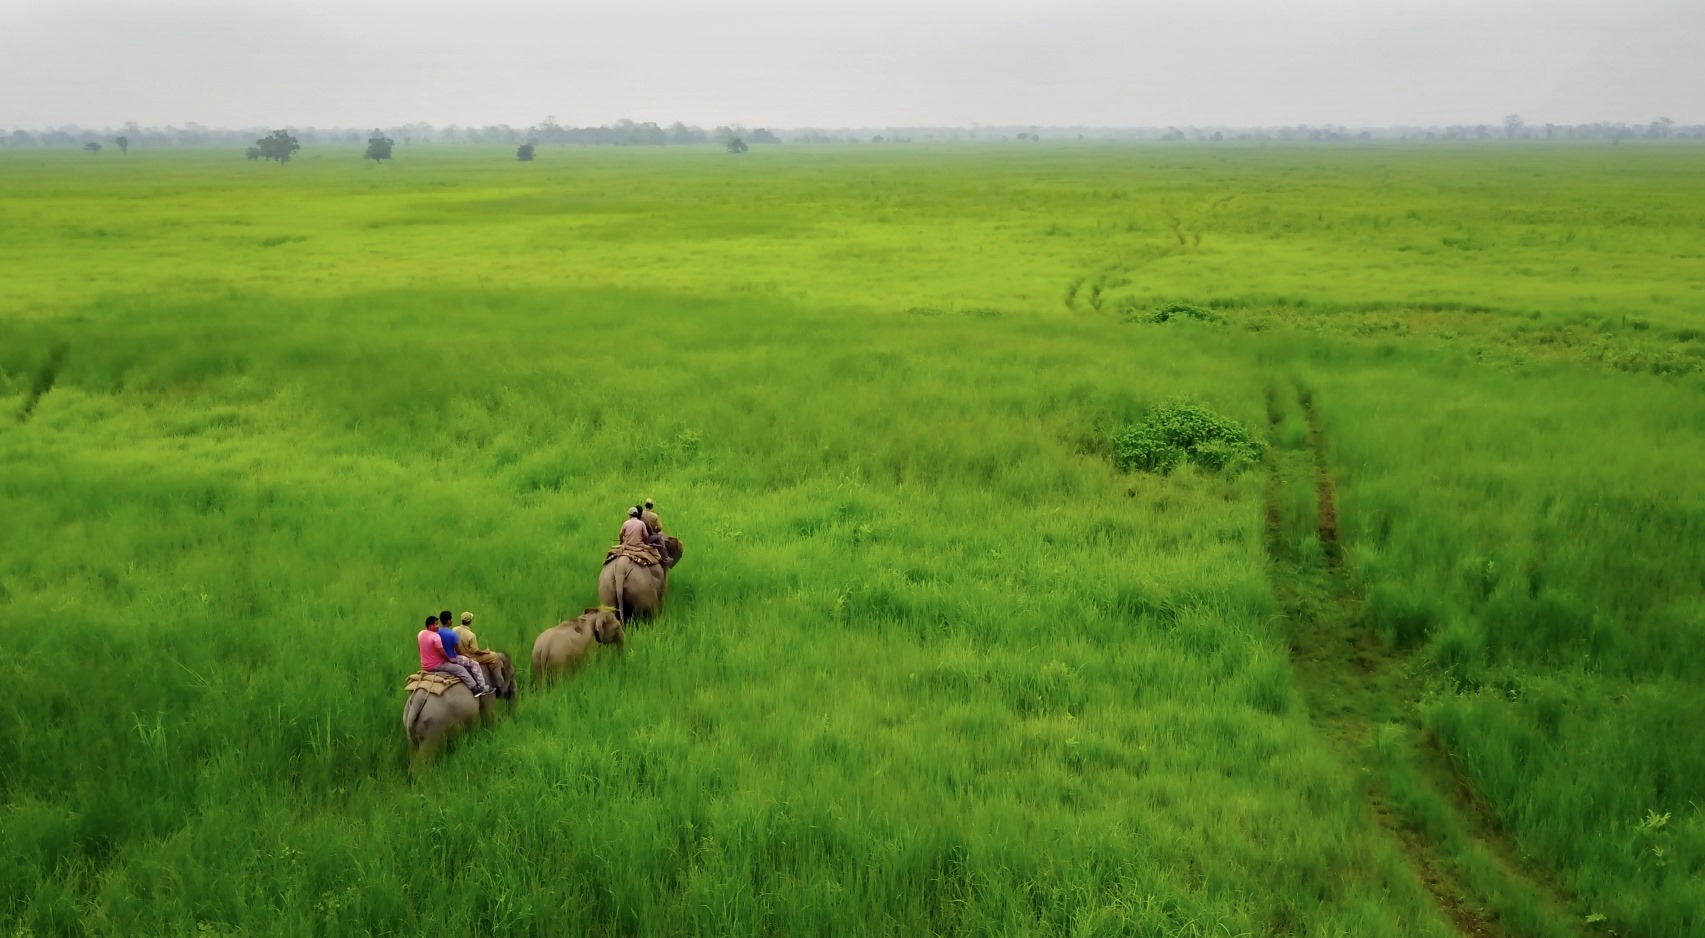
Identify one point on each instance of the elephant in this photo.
(500, 672)
(430, 720)
(563, 648)
(671, 552)
(631, 589)
(433, 719)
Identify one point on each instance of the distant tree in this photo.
(123, 144)
(1024, 136)
(92, 147)
(252, 153)
(1512, 126)
(524, 153)
(737, 145)
(762, 136)
(278, 145)
(378, 147)
(682, 134)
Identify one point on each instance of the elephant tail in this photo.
(623, 568)
(538, 666)
(411, 712)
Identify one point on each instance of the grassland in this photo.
(933, 662)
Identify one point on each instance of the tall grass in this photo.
(1538, 535)
(931, 664)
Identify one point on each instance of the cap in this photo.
(467, 617)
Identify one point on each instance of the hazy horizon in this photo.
(881, 63)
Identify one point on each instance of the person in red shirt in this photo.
(432, 657)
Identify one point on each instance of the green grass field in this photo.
(934, 663)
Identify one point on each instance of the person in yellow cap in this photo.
(654, 533)
(465, 631)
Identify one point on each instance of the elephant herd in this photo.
(629, 589)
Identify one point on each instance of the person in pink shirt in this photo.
(432, 657)
(634, 531)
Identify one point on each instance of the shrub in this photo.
(1182, 430)
(1182, 310)
(1131, 311)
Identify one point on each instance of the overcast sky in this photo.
(861, 63)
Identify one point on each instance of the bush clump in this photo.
(1173, 311)
(1130, 311)
(1182, 430)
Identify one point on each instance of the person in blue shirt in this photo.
(453, 652)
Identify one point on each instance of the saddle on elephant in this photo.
(644, 555)
(430, 681)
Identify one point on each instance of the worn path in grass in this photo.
(1361, 697)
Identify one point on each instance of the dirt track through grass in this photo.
(1361, 698)
(43, 383)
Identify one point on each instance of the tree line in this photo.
(1512, 127)
(624, 132)
(549, 131)
(281, 146)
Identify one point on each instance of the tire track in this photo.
(1186, 230)
(1361, 698)
(43, 383)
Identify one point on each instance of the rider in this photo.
(470, 642)
(653, 528)
(433, 658)
(634, 532)
(452, 650)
